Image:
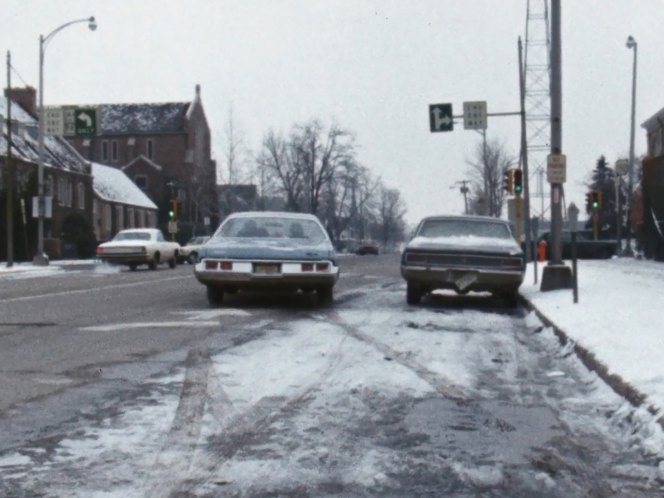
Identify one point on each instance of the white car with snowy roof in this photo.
(464, 254)
(139, 246)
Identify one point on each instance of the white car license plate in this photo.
(466, 281)
(266, 268)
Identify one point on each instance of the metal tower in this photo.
(537, 69)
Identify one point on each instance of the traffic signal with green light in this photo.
(596, 199)
(173, 211)
(517, 181)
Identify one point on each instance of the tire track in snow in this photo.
(180, 468)
(440, 384)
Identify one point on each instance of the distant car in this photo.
(268, 251)
(367, 248)
(139, 246)
(463, 253)
(586, 245)
(189, 251)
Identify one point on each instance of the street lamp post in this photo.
(40, 258)
(631, 44)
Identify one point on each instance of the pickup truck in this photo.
(586, 246)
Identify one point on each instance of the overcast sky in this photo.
(370, 66)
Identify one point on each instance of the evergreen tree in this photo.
(603, 180)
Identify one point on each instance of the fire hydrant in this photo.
(541, 250)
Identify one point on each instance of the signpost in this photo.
(474, 115)
(556, 170)
(441, 117)
(68, 121)
(85, 121)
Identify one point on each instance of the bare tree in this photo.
(302, 166)
(346, 197)
(234, 151)
(391, 210)
(486, 175)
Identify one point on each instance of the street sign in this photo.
(474, 115)
(556, 171)
(85, 121)
(172, 226)
(622, 166)
(441, 117)
(54, 121)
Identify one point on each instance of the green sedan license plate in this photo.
(266, 268)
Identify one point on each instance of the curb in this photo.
(615, 382)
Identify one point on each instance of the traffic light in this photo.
(589, 201)
(596, 199)
(173, 211)
(517, 181)
(508, 180)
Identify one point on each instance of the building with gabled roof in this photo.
(67, 183)
(165, 149)
(118, 203)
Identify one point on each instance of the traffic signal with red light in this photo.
(517, 181)
(508, 180)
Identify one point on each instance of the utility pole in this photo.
(556, 275)
(464, 190)
(9, 169)
(524, 154)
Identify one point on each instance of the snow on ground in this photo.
(617, 318)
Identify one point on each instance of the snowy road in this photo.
(370, 397)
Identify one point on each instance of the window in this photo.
(107, 218)
(104, 150)
(114, 151)
(141, 218)
(95, 218)
(149, 148)
(141, 182)
(119, 217)
(81, 195)
(62, 191)
(69, 189)
(48, 186)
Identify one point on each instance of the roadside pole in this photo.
(573, 212)
(556, 275)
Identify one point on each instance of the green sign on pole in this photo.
(85, 122)
(441, 117)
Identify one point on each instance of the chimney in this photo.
(26, 97)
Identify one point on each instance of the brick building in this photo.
(67, 182)
(165, 149)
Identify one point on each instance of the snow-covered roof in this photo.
(18, 113)
(145, 159)
(111, 184)
(136, 119)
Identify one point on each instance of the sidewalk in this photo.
(617, 327)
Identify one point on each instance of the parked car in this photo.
(268, 251)
(367, 248)
(189, 251)
(139, 246)
(463, 253)
(586, 245)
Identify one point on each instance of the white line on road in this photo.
(147, 325)
(85, 291)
